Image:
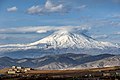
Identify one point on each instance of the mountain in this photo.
(60, 42)
(61, 50)
(72, 61)
(107, 62)
(66, 39)
(61, 61)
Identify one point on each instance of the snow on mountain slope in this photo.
(66, 39)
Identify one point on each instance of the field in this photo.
(109, 73)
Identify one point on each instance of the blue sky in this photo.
(20, 20)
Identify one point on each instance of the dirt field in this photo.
(71, 71)
(109, 73)
(3, 71)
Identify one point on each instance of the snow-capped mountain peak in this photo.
(66, 39)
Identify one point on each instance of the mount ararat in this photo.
(60, 42)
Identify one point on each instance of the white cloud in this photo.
(101, 36)
(34, 9)
(44, 29)
(12, 9)
(81, 7)
(117, 33)
(49, 7)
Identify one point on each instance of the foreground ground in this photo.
(109, 73)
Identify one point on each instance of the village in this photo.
(18, 69)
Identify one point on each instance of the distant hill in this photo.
(64, 61)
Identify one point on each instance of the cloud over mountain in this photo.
(44, 29)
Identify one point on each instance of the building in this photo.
(28, 69)
(13, 67)
(11, 72)
(16, 69)
(19, 67)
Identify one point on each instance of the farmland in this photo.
(109, 73)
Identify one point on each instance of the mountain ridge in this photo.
(61, 61)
